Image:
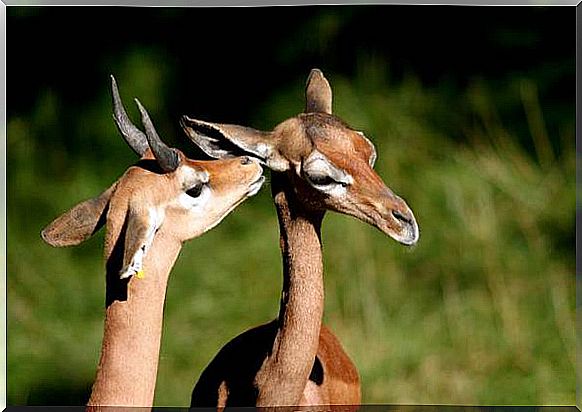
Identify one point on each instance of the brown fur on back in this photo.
(341, 381)
(333, 378)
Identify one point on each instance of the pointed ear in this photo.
(225, 140)
(79, 223)
(139, 236)
(318, 94)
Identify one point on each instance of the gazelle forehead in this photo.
(323, 126)
(343, 149)
(328, 132)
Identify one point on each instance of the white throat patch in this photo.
(135, 267)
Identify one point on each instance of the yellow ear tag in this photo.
(140, 274)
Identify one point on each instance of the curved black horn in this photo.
(134, 137)
(167, 157)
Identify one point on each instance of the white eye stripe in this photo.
(321, 165)
(324, 175)
(191, 176)
(156, 218)
(188, 202)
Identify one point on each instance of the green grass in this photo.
(481, 311)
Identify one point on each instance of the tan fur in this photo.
(271, 364)
(127, 370)
(293, 360)
(126, 374)
(286, 370)
(342, 385)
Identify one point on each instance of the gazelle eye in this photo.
(324, 176)
(320, 180)
(196, 190)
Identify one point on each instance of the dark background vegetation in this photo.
(471, 110)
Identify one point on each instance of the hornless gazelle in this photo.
(159, 203)
(318, 163)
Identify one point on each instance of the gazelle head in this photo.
(163, 194)
(330, 165)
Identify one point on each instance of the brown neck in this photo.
(284, 375)
(127, 370)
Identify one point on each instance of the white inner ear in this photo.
(156, 217)
(209, 145)
(263, 150)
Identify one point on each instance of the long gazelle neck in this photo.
(126, 375)
(283, 377)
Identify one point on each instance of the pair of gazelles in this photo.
(317, 163)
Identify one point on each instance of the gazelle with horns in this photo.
(159, 203)
(318, 163)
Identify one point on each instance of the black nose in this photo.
(399, 216)
(246, 160)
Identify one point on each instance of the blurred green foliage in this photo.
(481, 311)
